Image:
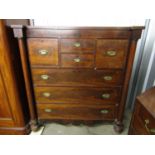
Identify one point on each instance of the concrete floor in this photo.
(100, 129)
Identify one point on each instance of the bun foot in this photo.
(34, 125)
(118, 126)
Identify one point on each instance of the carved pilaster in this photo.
(136, 33)
(18, 31)
(19, 34)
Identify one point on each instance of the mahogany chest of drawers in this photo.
(143, 119)
(77, 73)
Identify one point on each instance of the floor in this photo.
(100, 129)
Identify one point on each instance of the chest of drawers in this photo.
(77, 73)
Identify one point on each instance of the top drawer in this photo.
(77, 45)
(80, 32)
(43, 51)
(111, 53)
(93, 33)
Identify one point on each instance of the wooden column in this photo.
(135, 35)
(19, 34)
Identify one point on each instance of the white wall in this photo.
(150, 66)
(149, 58)
(86, 21)
(143, 73)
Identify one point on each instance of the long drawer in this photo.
(77, 95)
(74, 112)
(78, 77)
(106, 33)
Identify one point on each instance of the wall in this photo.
(143, 74)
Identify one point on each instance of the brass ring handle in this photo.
(107, 78)
(43, 52)
(77, 60)
(111, 53)
(147, 128)
(44, 77)
(106, 96)
(46, 94)
(77, 44)
(104, 111)
(48, 110)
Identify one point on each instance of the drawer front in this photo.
(77, 45)
(92, 33)
(43, 51)
(138, 127)
(148, 122)
(72, 112)
(77, 95)
(70, 77)
(143, 123)
(77, 60)
(111, 53)
(134, 131)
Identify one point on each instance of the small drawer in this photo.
(111, 53)
(74, 112)
(80, 77)
(77, 46)
(77, 60)
(43, 51)
(96, 96)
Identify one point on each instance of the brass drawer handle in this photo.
(106, 96)
(77, 60)
(46, 94)
(44, 77)
(107, 78)
(111, 53)
(48, 110)
(147, 128)
(43, 52)
(104, 111)
(77, 44)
